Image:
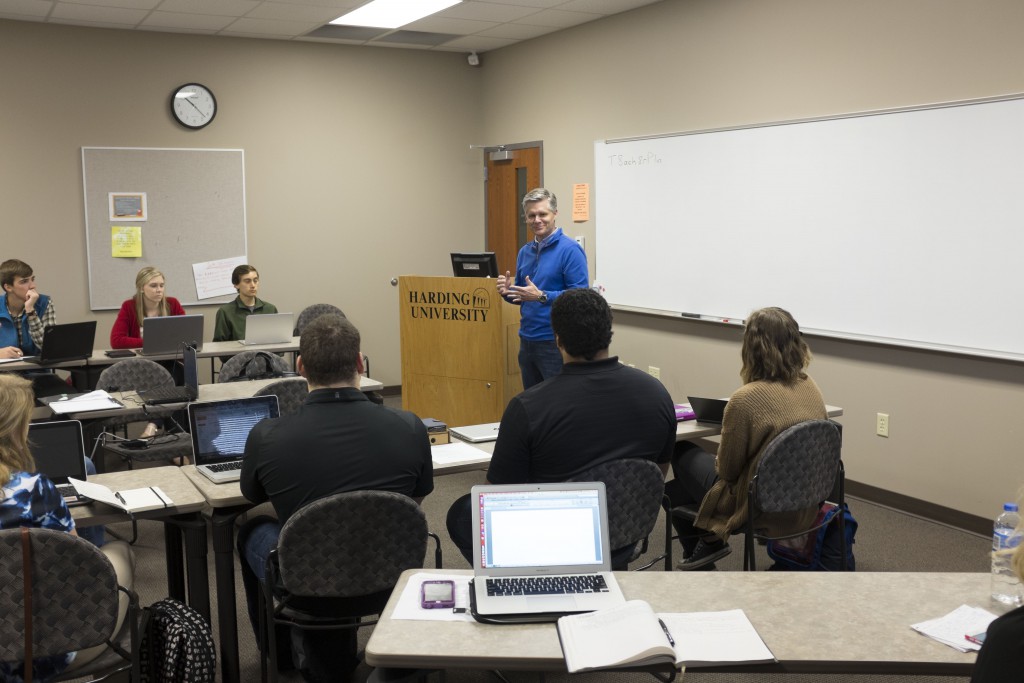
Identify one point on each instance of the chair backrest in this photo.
(635, 488)
(74, 594)
(798, 468)
(291, 394)
(351, 544)
(134, 374)
(312, 312)
(254, 364)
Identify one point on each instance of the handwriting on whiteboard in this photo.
(643, 159)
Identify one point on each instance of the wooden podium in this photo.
(460, 349)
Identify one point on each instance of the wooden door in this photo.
(507, 182)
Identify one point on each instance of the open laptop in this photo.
(269, 328)
(70, 341)
(477, 433)
(539, 534)
(59, 452)
(164, 334)
(708, 410)
(219, 430)
(183, 394)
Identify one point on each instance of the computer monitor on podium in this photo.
(480, 264)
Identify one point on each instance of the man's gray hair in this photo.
(539, 194)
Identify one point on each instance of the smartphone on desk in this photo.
(437, 594)
(119, 353)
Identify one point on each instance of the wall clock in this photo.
(193, 105)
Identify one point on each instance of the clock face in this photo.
(193, 105)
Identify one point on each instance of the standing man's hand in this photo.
(504, 282)
(527, 292)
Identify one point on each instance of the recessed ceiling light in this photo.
(393, 13)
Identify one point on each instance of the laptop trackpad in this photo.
(552, 603)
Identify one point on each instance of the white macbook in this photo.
(541, 549)
(219, 430)
(270, 328)
(477, 433)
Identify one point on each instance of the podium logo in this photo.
(460, 306)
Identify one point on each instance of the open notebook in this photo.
(542, 549)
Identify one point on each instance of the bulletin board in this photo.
(194, 213)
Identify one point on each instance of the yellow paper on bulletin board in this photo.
(126, 241)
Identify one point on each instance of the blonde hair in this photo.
(141, 280)
(16, 401)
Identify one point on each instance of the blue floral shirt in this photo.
(33, 500)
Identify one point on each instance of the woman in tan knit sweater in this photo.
(776, 394)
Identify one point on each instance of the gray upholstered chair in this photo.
(252, 365)
(337, 560)
(74, 604)
(140, 374)
(312, 312)
(291, 393)
(799, 470)
(635, 489)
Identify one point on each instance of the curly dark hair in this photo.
(582, 321)
(774, 350)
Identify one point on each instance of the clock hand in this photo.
(194, 105)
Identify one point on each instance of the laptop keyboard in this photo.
(166, 394)
(67, 491)
(225, 466)
(547, 585)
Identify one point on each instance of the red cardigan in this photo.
(126, 332)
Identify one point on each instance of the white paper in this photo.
(456, 453)
(953, 628)
(716, 637)
(213, 278)
(94, 400)
(409, 608)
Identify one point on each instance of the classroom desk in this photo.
(183, 517)
(813, 622)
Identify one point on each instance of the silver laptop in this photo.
(165, 334)
(269, 328)
(59, 452)
(477, 433)
(542, 535)
(219, 430)
(708, 410)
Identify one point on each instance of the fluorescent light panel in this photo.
(393, 13)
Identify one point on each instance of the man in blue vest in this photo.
(25, 313)
(547, 265)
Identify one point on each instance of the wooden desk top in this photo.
(813, 622)
(170, 479)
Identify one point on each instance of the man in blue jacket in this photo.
(546, 266)
(25, 313)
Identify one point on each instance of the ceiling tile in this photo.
(558, 19)
(267, 28)
(487, 11)
(517, 32)
(115, 16)
(21, 9)
(460, 27)
(223, 8)
(186, 22)
(285, 12)
(475, 44)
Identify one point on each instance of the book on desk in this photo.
(129, 500)
(634, 636)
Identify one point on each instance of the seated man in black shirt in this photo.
(594, 411)
(339, 441)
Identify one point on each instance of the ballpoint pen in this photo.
(671, 640)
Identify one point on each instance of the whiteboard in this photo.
(195, 213)
(903, 227)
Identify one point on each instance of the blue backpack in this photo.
(820, 551)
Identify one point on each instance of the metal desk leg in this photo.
(222, 521)
(195, 560)
(173, 552)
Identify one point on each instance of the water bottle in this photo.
(1005, 584)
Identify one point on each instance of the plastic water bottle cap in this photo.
(1009, 507)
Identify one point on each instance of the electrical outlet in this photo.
(654, 372)
(581, 241)
(882, 425)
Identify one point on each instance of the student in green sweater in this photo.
(231, 316)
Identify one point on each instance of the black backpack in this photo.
(177, 645)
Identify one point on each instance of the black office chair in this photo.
(249, 365)
(635, 489)
(798, 471)
(337, 560)
(291, 393)
(74, 604)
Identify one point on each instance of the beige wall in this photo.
(349, 149)
(694, 64)
(351, 159)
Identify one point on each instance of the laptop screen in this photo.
(58, 449)
(188, 360)
(220, 428)
(556, 527)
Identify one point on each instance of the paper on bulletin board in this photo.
(213, 278)
(128, 206)
(580, 202)
(126, 241)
